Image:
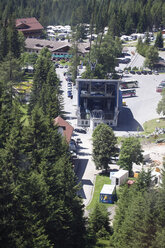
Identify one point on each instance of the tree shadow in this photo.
(81, 168)
(81, 147)
(126, 121)
(79, 173)
(83, 182)
(84, 154)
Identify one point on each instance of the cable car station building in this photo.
(98, 102)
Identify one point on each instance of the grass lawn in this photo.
(130, 44)
(149, 126)
(100, 181)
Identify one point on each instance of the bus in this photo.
(128, 93)
(127, 84)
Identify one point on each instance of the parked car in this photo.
(144, 72)
(78, 140)
(132, 72)
(138, 72)
(70, 94)
(160, 87)
(127, 60)
(56, 65)
(156, 73)
(80, 130)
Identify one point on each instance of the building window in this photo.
(82, 122)
(86, 122)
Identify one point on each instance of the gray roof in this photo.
(108, 189)
(38, 44)
(32, 43)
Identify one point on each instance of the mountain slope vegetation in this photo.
(124, 16)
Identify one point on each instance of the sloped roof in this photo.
(67, 128)
(53, 46)
(32, 43)
(28, 24)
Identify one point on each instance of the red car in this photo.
(160, 87)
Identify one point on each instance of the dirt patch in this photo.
(156, 152)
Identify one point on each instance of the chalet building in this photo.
(59, 49)
(99, 101)
(30, 27)
(64, 128)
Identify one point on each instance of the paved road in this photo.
(86, 170)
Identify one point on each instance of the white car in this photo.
(156, 73)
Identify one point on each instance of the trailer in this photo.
(119, 177)
(108, 193)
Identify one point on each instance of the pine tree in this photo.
(98, 224)
(160, 211)
(136, 225)
(3, 42)
(159, 40)
(66, 212)
(35, 138)
(13, 39)
(12, 155)
(45, 90)
(31, 214)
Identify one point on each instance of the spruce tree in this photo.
(66, 212)
(35, 138)
(159, 40)
(45, 90)
(31, 214)
(13, 39)
(3, 42)
(98, 224)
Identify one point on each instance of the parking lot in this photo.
(143, 106)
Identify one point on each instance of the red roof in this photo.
(28, 24)
(67, 128)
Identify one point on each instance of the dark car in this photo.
(138, 72)
(70, 94)
(127, 60)
(132, 72)
(150, 72)
(80, 130)
(144, 72)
